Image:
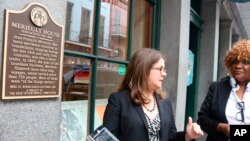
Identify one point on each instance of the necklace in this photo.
(151, 109)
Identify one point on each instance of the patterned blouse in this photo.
(154, 127)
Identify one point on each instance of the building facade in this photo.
(99, 38)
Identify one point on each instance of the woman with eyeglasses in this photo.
(140, 111)
(228, 100)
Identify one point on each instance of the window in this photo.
(68, 20)
(87, 59)
(85, 37)
(115, 29)
(101, 33)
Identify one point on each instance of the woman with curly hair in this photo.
(228, 100)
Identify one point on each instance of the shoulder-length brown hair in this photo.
(136, 78)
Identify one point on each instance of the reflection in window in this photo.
(109, 77)
(117, 28)
(101, 33)
(85, 27)
(68, 20)
(142, 26)
(79, 21)
(74, 106)
(76, 74)
(73, 120)
(112, 43)
(114, 33)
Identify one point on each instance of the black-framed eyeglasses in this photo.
(161, 69)
(240, 115)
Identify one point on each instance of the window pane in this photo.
(74, 106)
(109, 77)
(79, 20)
(142, 26)
(74, 121)
(76, 75)
(113, 29)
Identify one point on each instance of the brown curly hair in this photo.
(239, 52)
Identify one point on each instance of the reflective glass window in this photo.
(113, 36)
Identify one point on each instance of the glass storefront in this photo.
(110, 52)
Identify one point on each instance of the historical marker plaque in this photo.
(32, 55)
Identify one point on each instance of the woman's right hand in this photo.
(224, 128)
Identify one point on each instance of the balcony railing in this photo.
(83, 37)
(118, 29)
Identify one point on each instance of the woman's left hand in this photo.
(193, 130)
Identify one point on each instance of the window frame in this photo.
(94, 58)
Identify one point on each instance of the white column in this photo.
(174, 43)
(224, 45)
